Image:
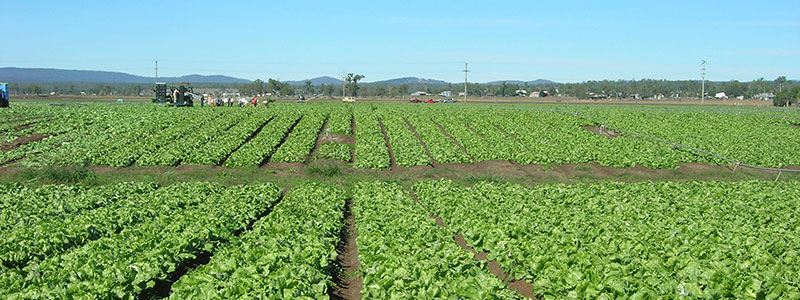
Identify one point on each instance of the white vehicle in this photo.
(348, 99)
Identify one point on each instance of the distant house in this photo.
(446, 94)
(419, 93)
(521, 93)
(721, 95)
(462, 94)
(764, 96)
(535, 94)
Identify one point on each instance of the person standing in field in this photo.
(255, 101)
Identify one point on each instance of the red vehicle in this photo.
(429, 101)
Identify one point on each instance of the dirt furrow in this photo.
(454, 140)
(388, 146)
(521, 287)
(345, 274)
(427, 151)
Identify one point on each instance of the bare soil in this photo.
(22, 141)
(604, 132)
(347, 278)
(795, 126)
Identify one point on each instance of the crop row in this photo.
(711, 240)
(442, 148)
(405, 255)
(130, 204)
(220, 147)
(287, 255)
(302, 139)
(370, 150)
(408, 151)
(340, 121)
(264, 145)
(173, 153)
(336, 151)
(126, 264)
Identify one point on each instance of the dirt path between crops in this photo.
(424, 146)
(346, 277)
(795, 126)
(393, 162)
(521, 287)
(604, 131)
(18, 142)
(454, 140)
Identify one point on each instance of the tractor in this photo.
(178, 96)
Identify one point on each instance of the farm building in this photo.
(446, 94)
(521, 93)
(721, 95)
(419, 93)
(764, 96)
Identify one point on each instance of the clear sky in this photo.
(565, 41)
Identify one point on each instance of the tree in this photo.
(352, 83)
(787, 97)
(309, 88)
(35, 89)
(779, 82)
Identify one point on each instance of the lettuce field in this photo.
(341, 236)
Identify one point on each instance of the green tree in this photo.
(787, 97)
(352, 83)
(309, 87)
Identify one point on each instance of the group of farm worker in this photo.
(241, 102)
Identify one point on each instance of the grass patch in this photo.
(473, 179)
(324, 170)
(59, 174)
(582, 168)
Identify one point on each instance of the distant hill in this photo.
(39, 75)
(532, 82)
(316, 81)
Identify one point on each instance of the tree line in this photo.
(645, 88)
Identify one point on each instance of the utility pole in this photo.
(466, 70)
(703, 87)
(156, 71)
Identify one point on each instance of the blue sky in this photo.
(565, 41)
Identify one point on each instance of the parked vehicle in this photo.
(415, 100)
(348, 99)
(429, 101)
(449, 100)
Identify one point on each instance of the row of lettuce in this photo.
(129, 240)
(709, 240)
(363, 134)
